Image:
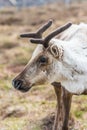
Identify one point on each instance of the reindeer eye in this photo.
(43, 59)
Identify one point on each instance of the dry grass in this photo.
(20, 111)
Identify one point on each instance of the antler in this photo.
(46, 40)
(38, 33)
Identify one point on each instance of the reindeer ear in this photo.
(56, 51)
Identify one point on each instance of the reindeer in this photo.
(60, 61)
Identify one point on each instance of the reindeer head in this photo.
(42, 66)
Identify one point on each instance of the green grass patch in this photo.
(78, 113)
(5, 85)
(14, 123)
(36, 128)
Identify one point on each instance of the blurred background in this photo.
(33, 110)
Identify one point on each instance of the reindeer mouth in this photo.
(24, 89)
(18, 84)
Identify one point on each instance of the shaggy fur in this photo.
(67, 61)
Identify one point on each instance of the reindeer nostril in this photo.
(17, 83)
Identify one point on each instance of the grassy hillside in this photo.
(20, 111)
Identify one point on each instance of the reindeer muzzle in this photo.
(18, 84)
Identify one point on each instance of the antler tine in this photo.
(46, 40)
(57, 31)
(37, 41)
(27, 35)
(38, 33)
(45, 27)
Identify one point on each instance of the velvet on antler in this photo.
(45, 41)
(39, 32)
(37, 36)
